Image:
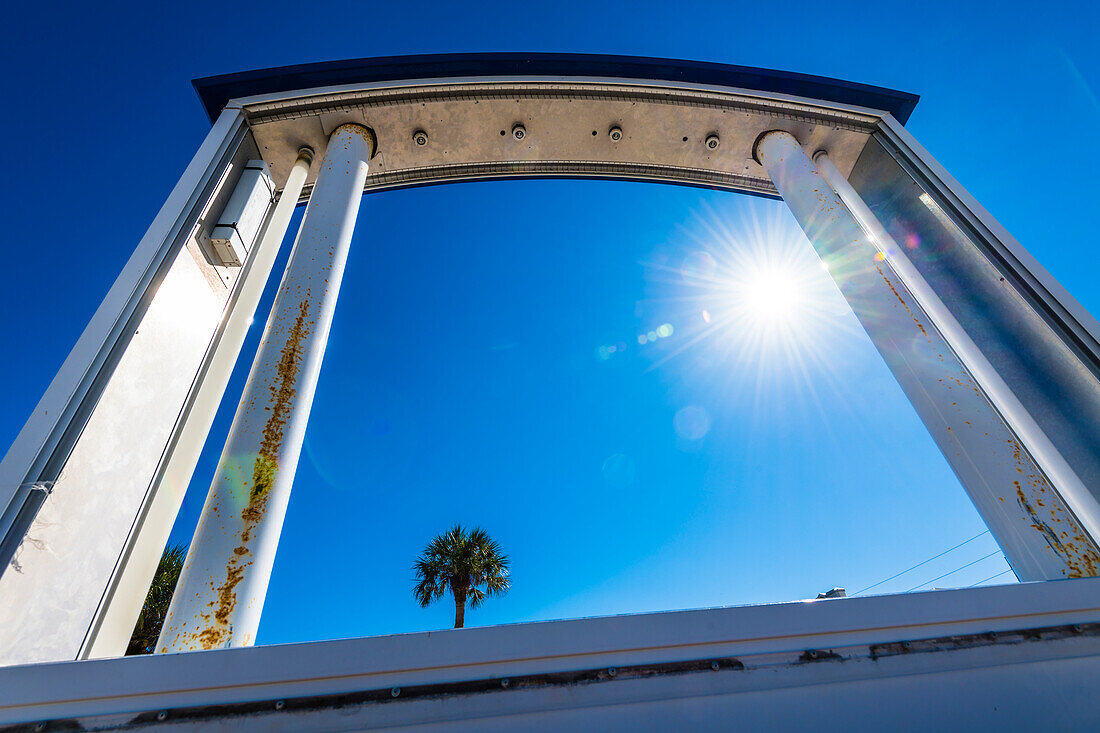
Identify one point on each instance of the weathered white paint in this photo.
(49, 595)
(1041, 538)
(62, 401)
(221, 590)
(121, 604)
(1070, 487)
(1043, 683)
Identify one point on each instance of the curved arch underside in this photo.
(664, 112)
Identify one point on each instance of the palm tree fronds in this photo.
(468, 563)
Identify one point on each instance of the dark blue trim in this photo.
(216, 91)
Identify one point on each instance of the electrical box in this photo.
(243, 216)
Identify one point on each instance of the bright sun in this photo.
(753, 296)
(770, 295)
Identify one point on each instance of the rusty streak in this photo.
(901, 300)
(264, 469)
(1079, 564)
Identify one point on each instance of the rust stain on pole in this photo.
(1080, 555)
(264, 468)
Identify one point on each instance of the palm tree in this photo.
(469, 564)
(151, 618)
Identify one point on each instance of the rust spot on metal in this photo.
(901, 300)
(264, 469)
(1082, 560)
(282, 394)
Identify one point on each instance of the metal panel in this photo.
(242, 218)
(1042, 536)
(122, 601)
(66, 560)
(223, 583)
(102, 455)
(1039, 340)
(49, 433)
(923, 660)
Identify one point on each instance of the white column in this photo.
(1053, 463)
(122, 605)
(1015, 487)
(221, 590)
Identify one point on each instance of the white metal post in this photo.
(1053, 463)
(221, 590)
(122, 602)
(1041, 534)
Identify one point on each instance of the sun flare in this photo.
(770, 296)
(752, 295)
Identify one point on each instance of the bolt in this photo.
(280, 704)
(420, 137)
(1076, 628)
(712, 141)
(519, 131)
(715, 666)
(162, 715)
(611, 671)
(395, 692)
(505, 682)
(615, 133)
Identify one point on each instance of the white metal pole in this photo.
(1027, 501)
(1049, 458)
(221, 590)
(122, 604)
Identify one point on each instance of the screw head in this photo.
(611, 671)
(519, 131)
(712, 142)
(615, 133)
(715, 666)
(395, 692)
(505, 683)
(280, 704)
(162, 715)
(420, 137)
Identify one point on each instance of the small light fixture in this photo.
(420, 138)
(519, 131)
(712, 141)
(615, 133)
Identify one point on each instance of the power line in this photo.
(991, 577)
(936, 557)
(933, 580)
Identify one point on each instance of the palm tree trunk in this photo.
(460, 609)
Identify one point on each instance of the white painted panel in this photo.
(49, 595)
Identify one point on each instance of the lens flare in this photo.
(691, 422)
(750, 296)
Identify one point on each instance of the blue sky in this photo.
(465, 379)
